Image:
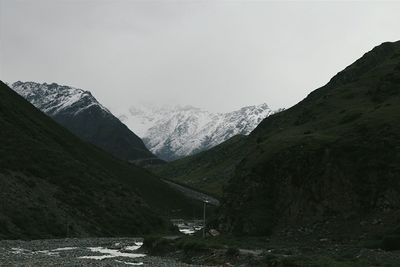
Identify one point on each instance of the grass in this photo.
(207, 171)
(320, 261)
(194, 245)
(390, 241)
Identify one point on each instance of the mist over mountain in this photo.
(179, 131)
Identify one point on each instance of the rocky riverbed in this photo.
(80, 252)
(188, 227)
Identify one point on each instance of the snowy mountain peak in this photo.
(53, 98)
(172, 132)
(78, 111)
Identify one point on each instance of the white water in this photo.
(114, 253)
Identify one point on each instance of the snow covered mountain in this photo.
(175, 132)
(83, 115)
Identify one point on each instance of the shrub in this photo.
(232, 252)
(391, 242)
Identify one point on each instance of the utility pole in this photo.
(67, 228)
(204, 217)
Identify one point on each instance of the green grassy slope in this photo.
(335, 154)
(53, 184)
(208, 171)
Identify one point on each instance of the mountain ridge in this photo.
(80, 112)
(174, 132)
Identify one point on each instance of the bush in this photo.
(391, 242)
(156, 245)
(232, 252)
(193, 245)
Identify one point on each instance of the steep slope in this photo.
(83, 115)
(333, 157)
(172, 133)
(52, 184)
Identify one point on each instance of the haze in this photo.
(215, 55)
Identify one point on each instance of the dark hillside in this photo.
(336, 154)
(52, 184)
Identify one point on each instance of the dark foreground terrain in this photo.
(192, 251)
(282, 252)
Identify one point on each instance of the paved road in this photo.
(193, 193)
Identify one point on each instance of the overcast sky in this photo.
(218, 55)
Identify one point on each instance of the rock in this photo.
(214, 232)
(376, 221)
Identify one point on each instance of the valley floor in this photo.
(196, 251)
(80, 252)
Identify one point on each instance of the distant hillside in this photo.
(208, 171)
(83, 115)
(52, 184)
(174, 132)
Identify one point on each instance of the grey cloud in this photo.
(218, 55)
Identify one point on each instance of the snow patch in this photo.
(65, 249)
(20, 251)
(48, 252)
(181, 131)
(130, 263)
(111, 253)
(134, 247)
(53, 98)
